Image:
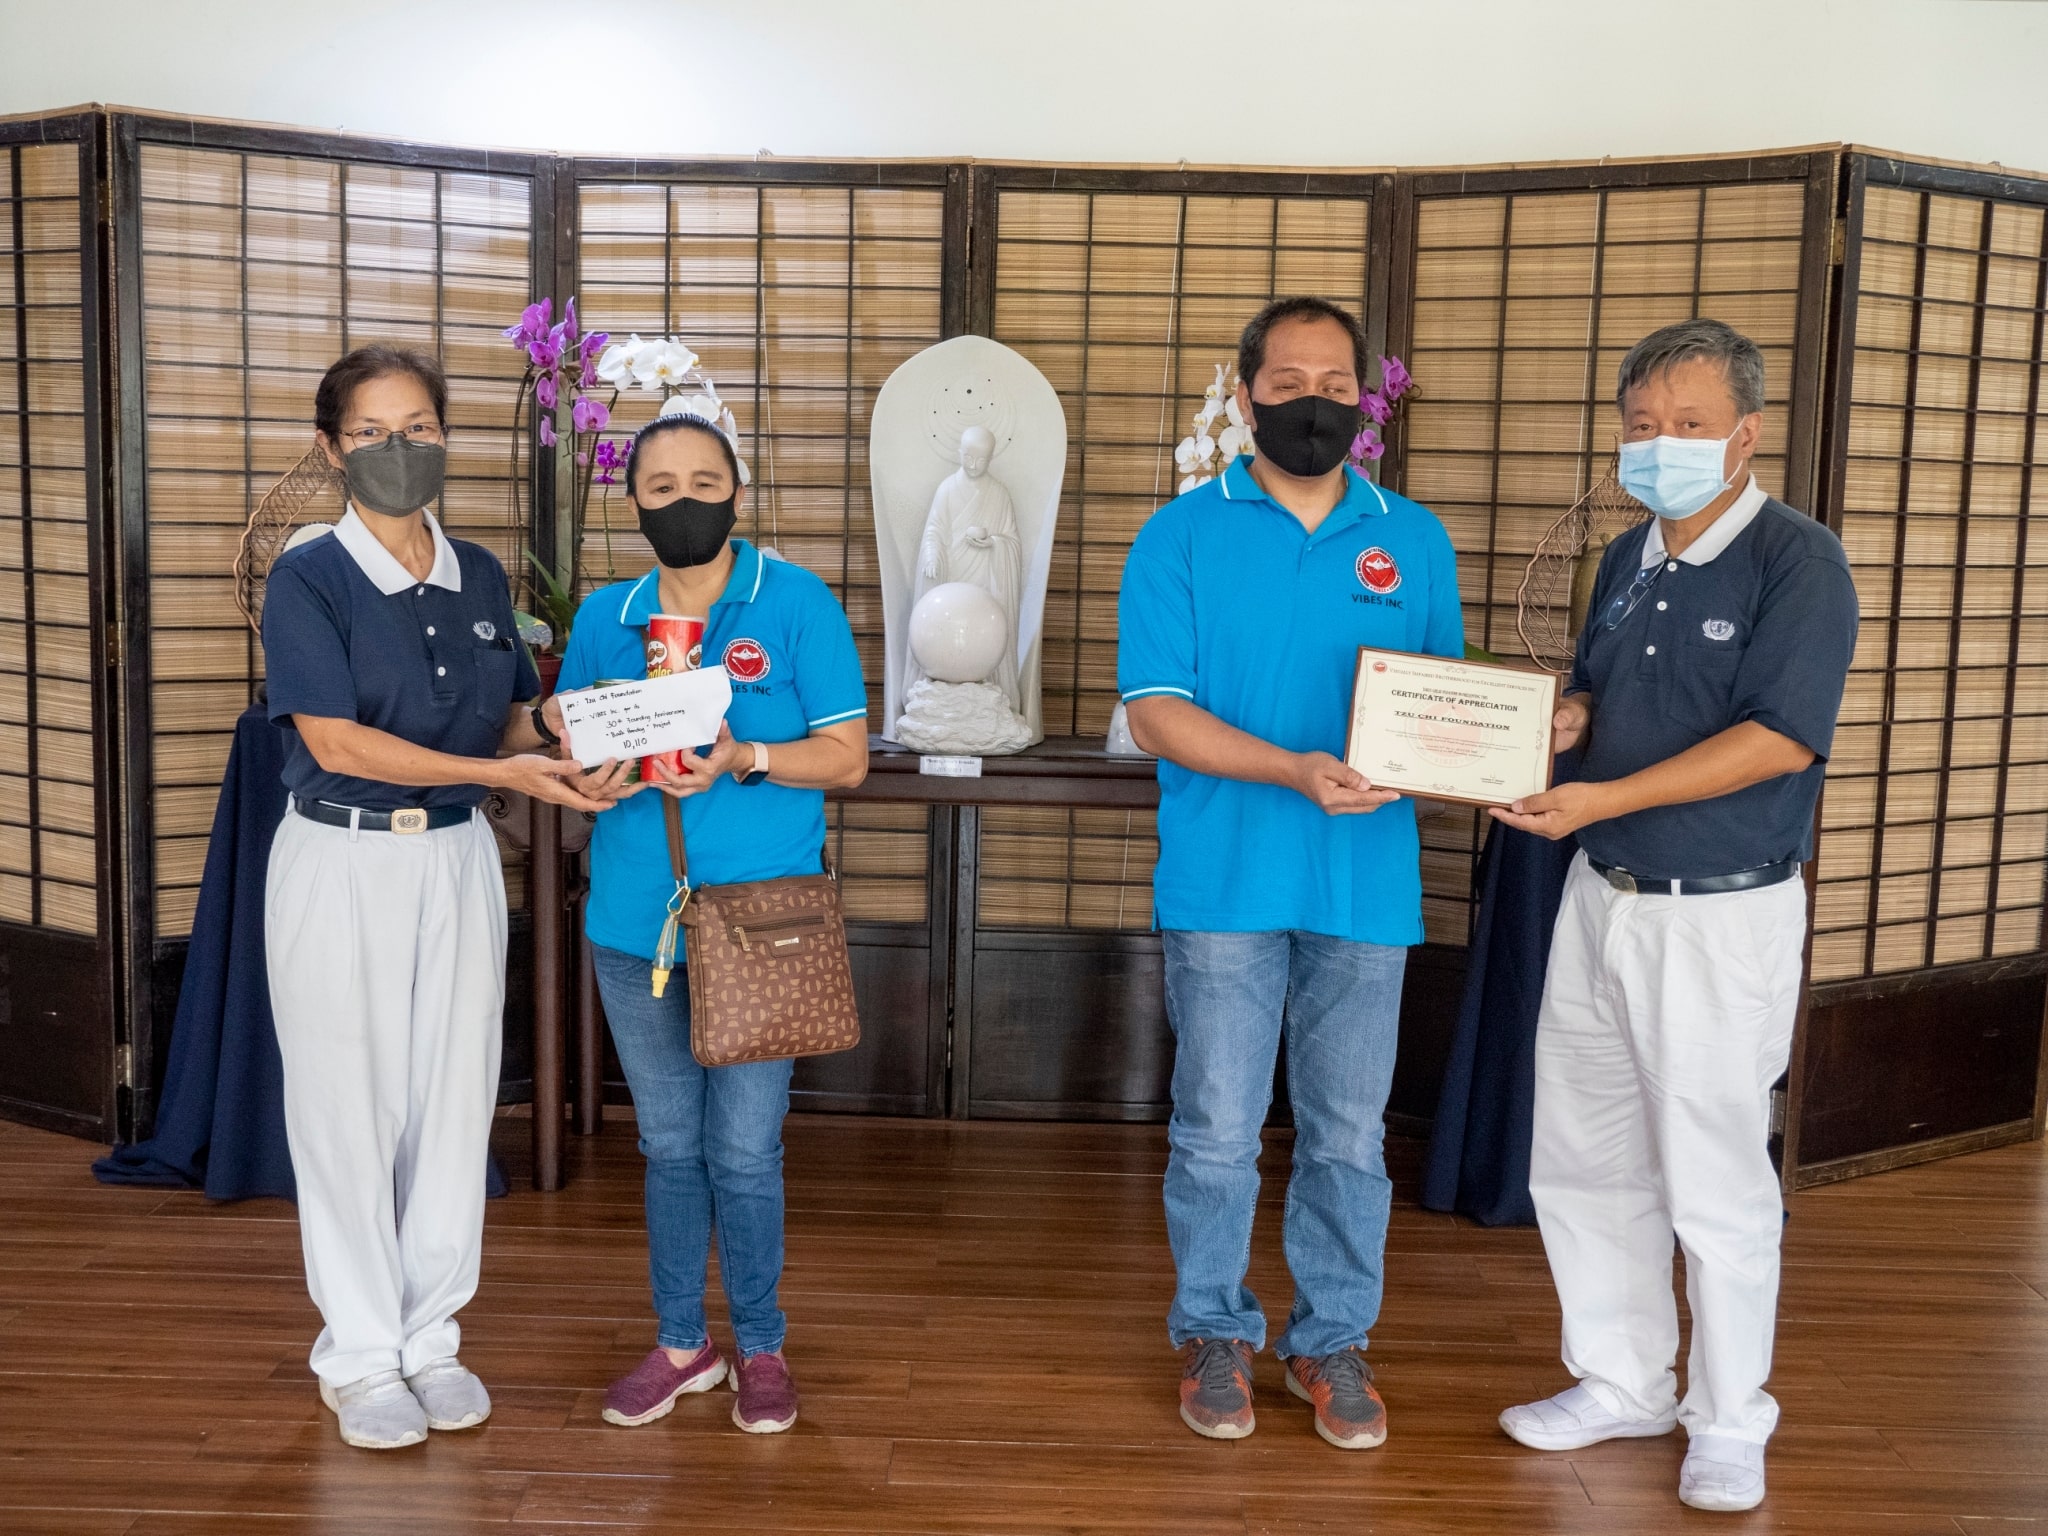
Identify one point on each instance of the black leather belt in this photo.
(402, 822)
(1709, 885)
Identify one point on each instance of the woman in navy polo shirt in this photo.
(753, 808)
(391, 656)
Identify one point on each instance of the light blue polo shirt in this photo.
(785, 640)
(1229, 602)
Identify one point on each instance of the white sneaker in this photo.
(451, 1396)
(1575, 1418)
(376, 1413)
(1722, 1473)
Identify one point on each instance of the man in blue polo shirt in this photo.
(1287, 887)
(1707, 682)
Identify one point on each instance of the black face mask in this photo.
(687, 531)
(1307, 436)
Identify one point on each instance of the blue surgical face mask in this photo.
(1675, 476)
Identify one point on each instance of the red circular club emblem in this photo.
(1377, 571)
(746, 661)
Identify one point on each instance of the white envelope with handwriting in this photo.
(639, 719)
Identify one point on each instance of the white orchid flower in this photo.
(704, 407)
(662, 365)
(1234, 441)
(615, 362)
(1236, 416)
(1187, 483)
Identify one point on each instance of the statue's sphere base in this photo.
(961, 720)
(958, 633)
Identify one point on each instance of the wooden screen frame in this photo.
(147, 998)
(1906, 989)
(73, 969)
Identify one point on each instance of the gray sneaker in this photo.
(377, 1413)
(452, 1397)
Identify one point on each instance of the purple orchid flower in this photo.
(547, 432)
(611, 455)
(588, 415)
(533, 323)
(545, 392)
(1367, 446)
(569, 329)
(1395, 380)
(593, 344)
(1377, 406)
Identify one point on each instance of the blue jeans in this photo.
(1228, 996)
(712, 1137)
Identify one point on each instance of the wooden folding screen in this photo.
(59, 918)
(1128, 289)
(249, 260)
(1924, 1034)
(1528, 287)
(801, 288)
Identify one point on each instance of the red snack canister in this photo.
(675, 643)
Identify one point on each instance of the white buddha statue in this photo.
(971, 536)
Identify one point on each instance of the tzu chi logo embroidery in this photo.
(485, 629)
(1377, 571)
(746, 661)
(1718, 629)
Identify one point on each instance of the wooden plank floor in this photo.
(978, 1328)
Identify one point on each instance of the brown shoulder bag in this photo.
(768, 971)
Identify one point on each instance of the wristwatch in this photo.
(540, 724)
(759, 774)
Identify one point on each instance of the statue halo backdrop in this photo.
(915, 441)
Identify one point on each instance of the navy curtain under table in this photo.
(220, 1120)
(1478, 1162)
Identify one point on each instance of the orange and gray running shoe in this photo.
(1216, 1388)
(1349, 1413)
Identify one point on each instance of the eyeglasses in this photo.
(373, 437)
(1625, 603)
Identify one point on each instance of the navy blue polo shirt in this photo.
(1755, 621)
(1228, 601)
(349, 634)
(785, 641)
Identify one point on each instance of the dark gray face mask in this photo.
(397, 476)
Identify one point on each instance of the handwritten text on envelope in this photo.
(638, 719)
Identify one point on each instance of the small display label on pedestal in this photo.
(950, 767)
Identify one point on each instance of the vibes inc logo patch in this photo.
(746, 661)
(1377, 571)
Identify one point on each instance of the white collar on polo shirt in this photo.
(1719, 535)
(382, 567)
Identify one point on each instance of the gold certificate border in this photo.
(1450, 668)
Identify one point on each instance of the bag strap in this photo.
(679, 866)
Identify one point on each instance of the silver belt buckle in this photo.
(1622, 880)
(405, 823)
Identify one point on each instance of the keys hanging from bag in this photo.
(769, 973)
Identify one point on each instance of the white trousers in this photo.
(1665, 1021)
(386, 955)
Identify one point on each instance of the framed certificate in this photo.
(1475, 732)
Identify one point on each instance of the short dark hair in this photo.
(661, 426)
(1742, 364)
(1251, 346)
(339, 383)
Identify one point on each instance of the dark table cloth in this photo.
(220, 1121)
(1478, 1161)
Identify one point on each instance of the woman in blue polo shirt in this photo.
(753, 808)
(390, 654)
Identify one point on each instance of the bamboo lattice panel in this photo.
(1524, 306)
(258, 272)
(1127, 301)
(800, 301)
(47, 845)
(1936, 810)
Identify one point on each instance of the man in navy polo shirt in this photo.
(1287, 887)
(1707, 682)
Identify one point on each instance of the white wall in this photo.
(1271, 82)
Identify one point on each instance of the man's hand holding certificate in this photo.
(1468, 731)
(640, 719)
